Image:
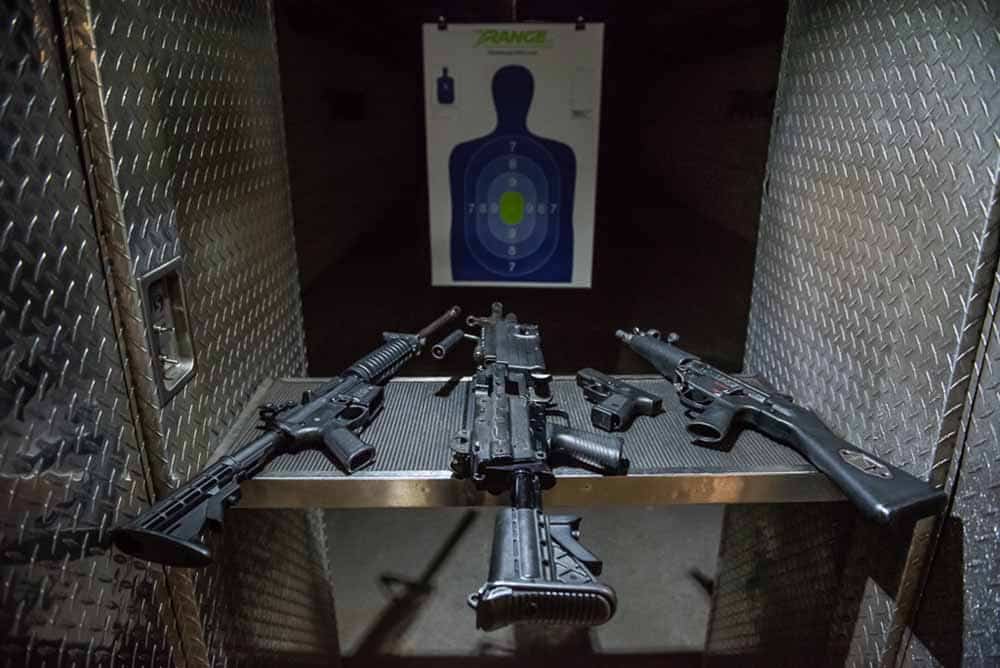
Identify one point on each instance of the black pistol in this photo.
(716, 400)
(616, 403)
(329, 417)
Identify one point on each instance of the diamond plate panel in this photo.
(937, 635)
(276, 605)
(317, 528)
(960, 611)
(192, 104)
(875, 244)
(977, 505)
(70, 466)
(773, 576)
(182, 106)
(876, 251)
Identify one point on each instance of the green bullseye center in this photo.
(512, 207)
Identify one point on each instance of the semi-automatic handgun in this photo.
(616, 403)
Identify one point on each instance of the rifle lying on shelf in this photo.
(715, 400)
(508, 443)
(328, 417)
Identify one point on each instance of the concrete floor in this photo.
(649, 556)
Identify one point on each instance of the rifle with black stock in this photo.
(539, 572)
(329, 417)
(716, 400)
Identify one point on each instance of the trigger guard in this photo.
(703, 440)
(686, 399)
(692, 405)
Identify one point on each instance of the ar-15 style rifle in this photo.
(330, 417)
(538, 570)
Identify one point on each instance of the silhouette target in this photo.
(512, 195)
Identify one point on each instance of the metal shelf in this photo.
(413, 433)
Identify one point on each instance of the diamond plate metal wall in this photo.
(188, 101)
(70, 464)
(959, 614)
(766, 604)
(181, 107)
(275, 608)
(875, 258)
(874, 238)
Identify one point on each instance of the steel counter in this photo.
(413, 435)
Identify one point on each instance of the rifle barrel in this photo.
(443, 320)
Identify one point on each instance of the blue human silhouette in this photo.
(512, 195)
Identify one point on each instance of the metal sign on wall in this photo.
(513, 112)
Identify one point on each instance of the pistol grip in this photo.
(613, 413)
(649, 405)
(350, 451)
(712, 424)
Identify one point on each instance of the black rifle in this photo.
(538, 570)
(715, 400)
(330, 416)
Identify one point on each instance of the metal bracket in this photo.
(168, 329)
